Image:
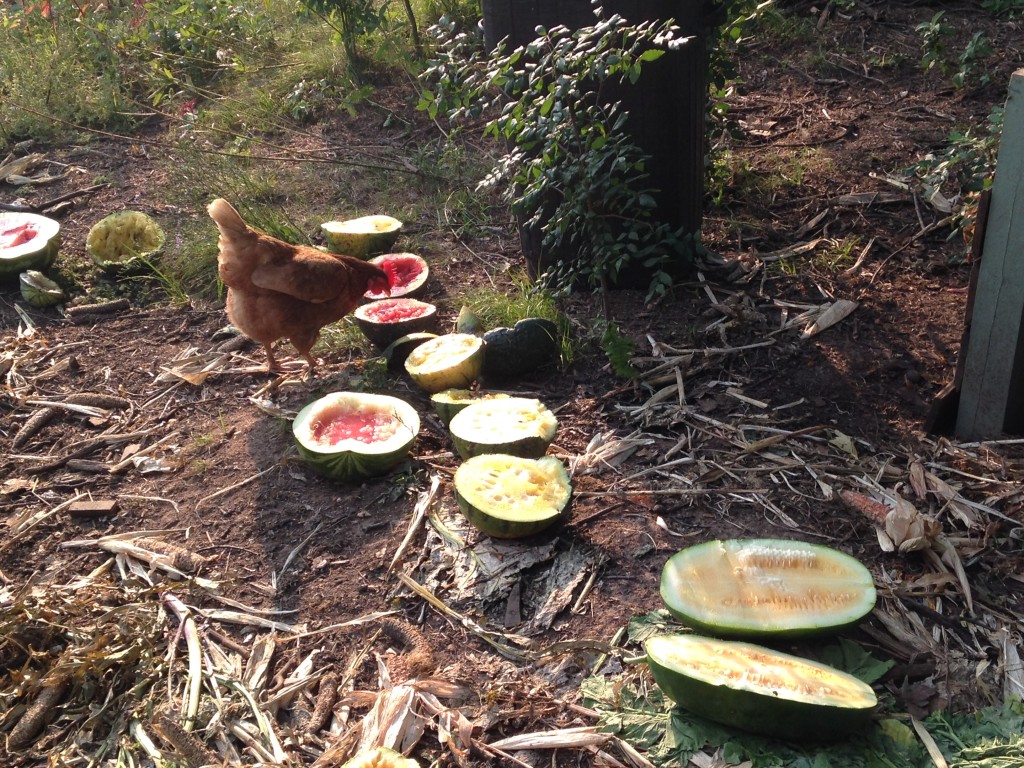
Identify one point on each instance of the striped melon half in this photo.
(509, 496)
(350, 436)
(758, 689)
(766, 587)
(450, 361)
(362, 237)
(520, 426)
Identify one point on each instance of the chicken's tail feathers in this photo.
(226, 217)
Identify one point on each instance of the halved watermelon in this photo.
(450, 361)
(766, 587)
(509, 496)
(407, 273)
(387, 320)
(362, 237)
(758, 689)
(519, 426)
(27, 241)
(350, 436)
(451, 401)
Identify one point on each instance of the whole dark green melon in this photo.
(522, 349)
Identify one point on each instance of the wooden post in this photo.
(992, 396)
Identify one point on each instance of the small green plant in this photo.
(936, 54)
(978, 48)
(935, 34)
(570, 171)
(962, 170)
(619, 350)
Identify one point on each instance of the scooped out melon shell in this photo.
(509, 496)
(124, 241)
(451, 361)
(518, 426)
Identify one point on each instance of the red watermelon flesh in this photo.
(394, 311)
(406, 273)
(18, 235)
(334, 426)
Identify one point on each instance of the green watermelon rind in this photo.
(507, 522)
(767, 708)
(520, 350)
(356, 461)
(528, 446)
(678, 582)
(36, 256)
(345, 237)
(459, 373)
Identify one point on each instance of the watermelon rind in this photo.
(509, 496)
(38, 253)
(410, 288)
(362, 237)
(518, 426)
(451, 361)
(451, 401)
(381, 757)
(398, 351)
(766, 588)
(757, 689)
(124, 242)
(382, 334)
(39, 290)
(351, 459)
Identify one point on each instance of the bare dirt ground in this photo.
(208, 460)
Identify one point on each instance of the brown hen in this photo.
(277, 290)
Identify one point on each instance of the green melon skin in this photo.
(518, 426)
(760, 588)
(762, 690)
(520, 350)
(362, 237)
(510, 497)
(352, 461)
(38, 255)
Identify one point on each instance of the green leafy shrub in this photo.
(569, 169)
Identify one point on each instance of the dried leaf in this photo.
(832, 314)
